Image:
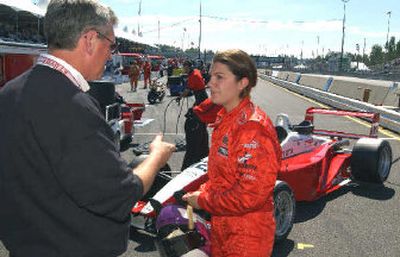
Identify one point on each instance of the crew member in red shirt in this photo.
(243, 164)
(134, 72)
(195, 83)
(146, 73)
(196, 134)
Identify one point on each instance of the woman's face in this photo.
(225, 89)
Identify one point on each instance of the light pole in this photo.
(139, 13)
(200, 32)
(301, 53)
(389, 13)
(365, 44)
(158, 31)
(183, 38)
(357, 54)
(343, 28)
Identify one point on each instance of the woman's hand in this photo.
(191, 198)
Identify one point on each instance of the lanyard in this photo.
(73, 75)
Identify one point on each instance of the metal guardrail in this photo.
(388, 118)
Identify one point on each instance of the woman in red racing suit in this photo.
(243, 163)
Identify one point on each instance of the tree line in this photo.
(380, 54)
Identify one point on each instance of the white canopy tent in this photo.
(361, 66)
(300, 67)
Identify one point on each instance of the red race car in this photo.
(315, 162)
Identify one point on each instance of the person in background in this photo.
(118, 69)
(134, 73)
(243, 163)
(195, 83)
(195, 130)
(114, 71)
(146, 73)
(163, 67)
(170, 67)
(205, 73)
(64, 188)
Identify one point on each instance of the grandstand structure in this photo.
(22, 38)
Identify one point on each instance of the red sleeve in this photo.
(196, 81)
(207, 111)
(255, 165)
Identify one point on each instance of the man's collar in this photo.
(62, 66)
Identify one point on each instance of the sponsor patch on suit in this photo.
(223, 151)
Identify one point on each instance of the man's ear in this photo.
(87, 42)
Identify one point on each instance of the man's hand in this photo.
(191, 198)
(161, 149)
(159, 154)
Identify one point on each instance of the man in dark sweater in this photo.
(64, 189)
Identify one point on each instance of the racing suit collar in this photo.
(223, 114)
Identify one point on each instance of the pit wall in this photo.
(376, 92)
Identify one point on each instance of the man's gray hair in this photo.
(66, 20)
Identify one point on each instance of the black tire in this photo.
(371, 160)
(285, 210)
(152, 97)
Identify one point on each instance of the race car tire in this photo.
(285, 210)
(152, 97)
(371, 160)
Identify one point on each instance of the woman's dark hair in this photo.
(241, 65)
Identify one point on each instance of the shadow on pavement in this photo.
(395, 160)
(309, 210)
(373, 191)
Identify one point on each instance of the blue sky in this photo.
(262, 26)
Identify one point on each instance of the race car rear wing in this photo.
(373, 118)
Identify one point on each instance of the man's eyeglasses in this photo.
(113, 45)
